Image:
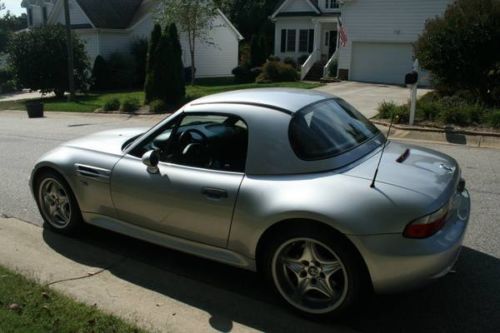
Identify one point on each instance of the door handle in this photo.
(214, 193)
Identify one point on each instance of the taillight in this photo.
(428, 225)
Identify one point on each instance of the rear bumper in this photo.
(396, 263)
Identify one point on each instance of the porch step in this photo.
(316, 72)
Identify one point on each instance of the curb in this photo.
(436, 129)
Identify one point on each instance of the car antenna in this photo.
(382, 153)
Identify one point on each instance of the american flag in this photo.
(342, 34)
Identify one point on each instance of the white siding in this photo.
(111, 42)
(297, 6)
(91, 40)
(217, 60)
(293, 24)
(386, 21)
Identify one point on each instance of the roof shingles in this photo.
(110, 14)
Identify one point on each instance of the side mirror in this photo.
(151, 160)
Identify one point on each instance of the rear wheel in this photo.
(317, 273)
(57, 204)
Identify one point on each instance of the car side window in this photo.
(210, 141)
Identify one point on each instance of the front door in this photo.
(332, 43)
(193, 194)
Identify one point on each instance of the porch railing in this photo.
(331, 61)
(308, 64)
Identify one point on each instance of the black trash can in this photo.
(35, 109)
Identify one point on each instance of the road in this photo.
(468, 301)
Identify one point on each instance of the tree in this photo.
(8, 25)
(195, 18)
(258, 50)
(150, 86)
(100, 74)
(462, 50)
(175, 86)
(39, 59)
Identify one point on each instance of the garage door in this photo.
(381, 62)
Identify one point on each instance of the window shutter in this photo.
(311, 41)
(283, 41)
(291, 40)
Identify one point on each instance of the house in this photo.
(109, 26)
(380, 35)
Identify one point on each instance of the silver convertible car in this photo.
(295, 184)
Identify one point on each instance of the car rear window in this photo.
(329, 128)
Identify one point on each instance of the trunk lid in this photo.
(425, 171)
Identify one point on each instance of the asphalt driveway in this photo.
(367, 96)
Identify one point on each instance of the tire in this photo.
(57, 204)
(335, 268)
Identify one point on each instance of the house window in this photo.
(288, 40)
(30, 16)
(331, 4)
(44, 13)
(327, 38)
(306, 40)
(291, 39)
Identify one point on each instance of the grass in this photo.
(28, 307)
(93, 101)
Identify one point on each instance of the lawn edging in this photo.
(437, 129)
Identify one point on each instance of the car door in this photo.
(185, 198)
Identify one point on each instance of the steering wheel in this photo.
(186, 137)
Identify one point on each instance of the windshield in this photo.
(329, 128)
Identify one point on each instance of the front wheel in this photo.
(57, 204)
(317, 273)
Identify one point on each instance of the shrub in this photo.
(112, 104)
(302, 59)
(494, 119)
(290, 61)
(387, 110)
(130, 105)
(139, 52)
(38, 59)
(332, 70)
(151, 85)
(158, 106)
(121, 73)
(274, 71)
(100, 74)
(7, 82)
(174, 84)
(273, 58)
(460, 49)
(244, 74)
(258, 50)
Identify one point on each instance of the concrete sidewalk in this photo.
(151, 297)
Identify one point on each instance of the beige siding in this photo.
(386, 21)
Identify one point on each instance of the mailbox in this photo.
(411, 78)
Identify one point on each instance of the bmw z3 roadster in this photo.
(295, 184)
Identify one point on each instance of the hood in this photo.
(423, 170)
(110, 142)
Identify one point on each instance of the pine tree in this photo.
(150, 84)
(175, 85)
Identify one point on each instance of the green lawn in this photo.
(93, 101)
(28, 307)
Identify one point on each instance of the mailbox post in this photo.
(411, 80)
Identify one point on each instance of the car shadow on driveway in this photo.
(467, 301)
